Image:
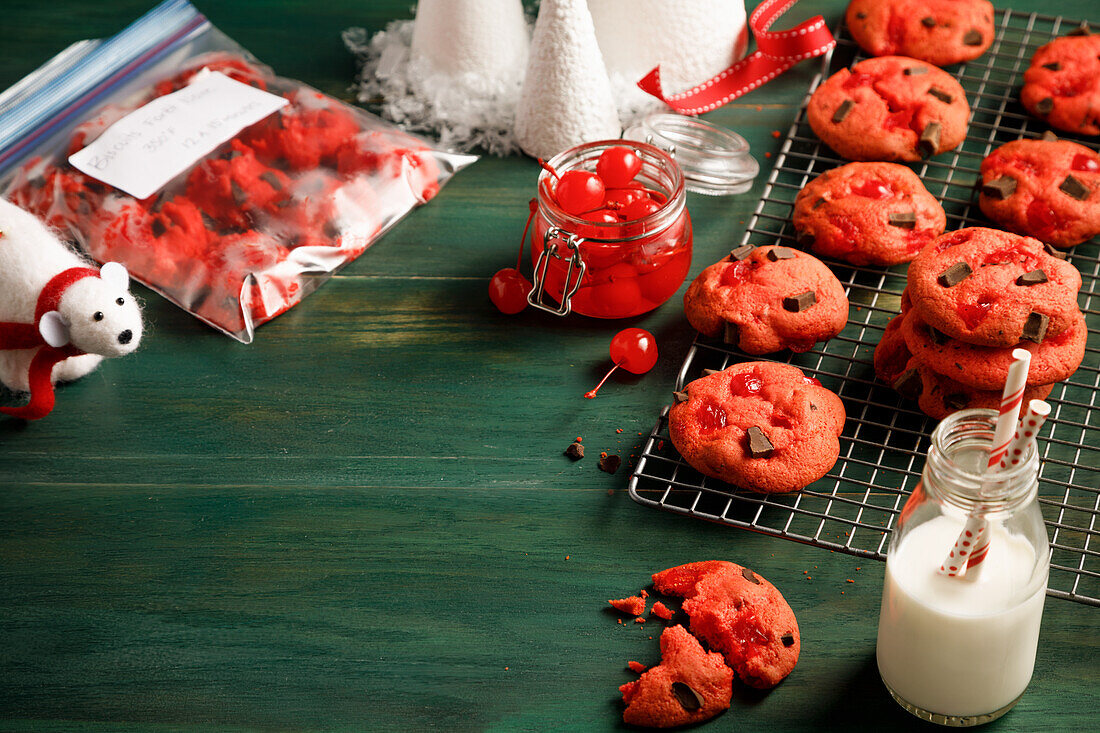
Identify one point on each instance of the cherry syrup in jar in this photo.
(635, 254)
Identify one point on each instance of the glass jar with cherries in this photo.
(612, 235)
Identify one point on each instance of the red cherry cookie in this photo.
(1062, 85)
(766, 299)
(940, 32)
(992, 288)
(690, 685)
(1048, 189)
(889, 108)
(936, 395)
(763, 426)
(868, 214)
(986, 367)
(740, 614)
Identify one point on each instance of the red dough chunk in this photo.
(60, 196)
(391, 154)
(868, 213)
(303, 136)
(1027, 188)
(740, 614)
(233, 188)
(890, 108)
(940, 32)
(968, 285)
(777, 437)
(690, 685)
(745, 301)
(1062, 85)
(634, 605)
(232, 66)
(660, 610)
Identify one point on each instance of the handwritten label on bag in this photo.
(152, 145)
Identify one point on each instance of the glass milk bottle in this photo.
(959, 651)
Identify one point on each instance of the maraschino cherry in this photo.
(633, 349)
(617, 166)
(508, 288)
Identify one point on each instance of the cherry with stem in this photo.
(633, 349)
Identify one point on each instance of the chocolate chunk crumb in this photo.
(843, 110)
(787, 639)
(805, 239)
(1053, 66)
(916, 70)
(909, 384)
(731, 334)
(1044, 105)
(941, 95)
(1081, 30)
(1074, 188)
(158, 228)
(208, 222)
(37, 182)
(1034, 277)
(610, 464)
(158, 204)
(239, 196)
(861, 15)
(972, 37)
(903, 219)
(1035, 328)
(1049, 136)
(750, 576)
(928, 21)
(708, 372)
(232, 153)
(688, 698)
(759, 445)
(800, 302)
(1054, 251)
(575, 451)
(736, 255)
(954, 275)
(680, 396)
(1000, 188)
(956, 401)
(272, 180)
(781, 253)
(818, 203)
(929, 141)
(938, 337)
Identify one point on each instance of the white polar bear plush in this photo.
(58, 315)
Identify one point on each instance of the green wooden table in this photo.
(363, 520)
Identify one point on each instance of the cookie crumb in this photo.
(634, 605)
(640, 620)
(776, 134)
(636, 667)
(660, 610)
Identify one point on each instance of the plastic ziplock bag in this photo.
(247, 230)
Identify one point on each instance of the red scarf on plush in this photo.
(27, 336)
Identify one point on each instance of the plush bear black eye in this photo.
(98, 315)
(120, 301)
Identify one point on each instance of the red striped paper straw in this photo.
(1026, 432)
(972, 544)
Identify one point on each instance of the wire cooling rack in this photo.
(885, 439)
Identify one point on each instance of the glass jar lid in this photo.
(715, 161)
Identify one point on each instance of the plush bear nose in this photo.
(126, 336)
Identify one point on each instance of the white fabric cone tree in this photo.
(566, 98)
(487, 38)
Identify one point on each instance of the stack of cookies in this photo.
(973, 296)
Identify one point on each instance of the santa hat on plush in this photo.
(59, 316)
(567, 98)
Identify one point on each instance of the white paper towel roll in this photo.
(691, 40)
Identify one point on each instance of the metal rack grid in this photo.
(852, 509)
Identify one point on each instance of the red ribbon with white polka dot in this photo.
(776, 52)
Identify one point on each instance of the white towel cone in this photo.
(691, 40)
(483, 37)
(566, 98)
